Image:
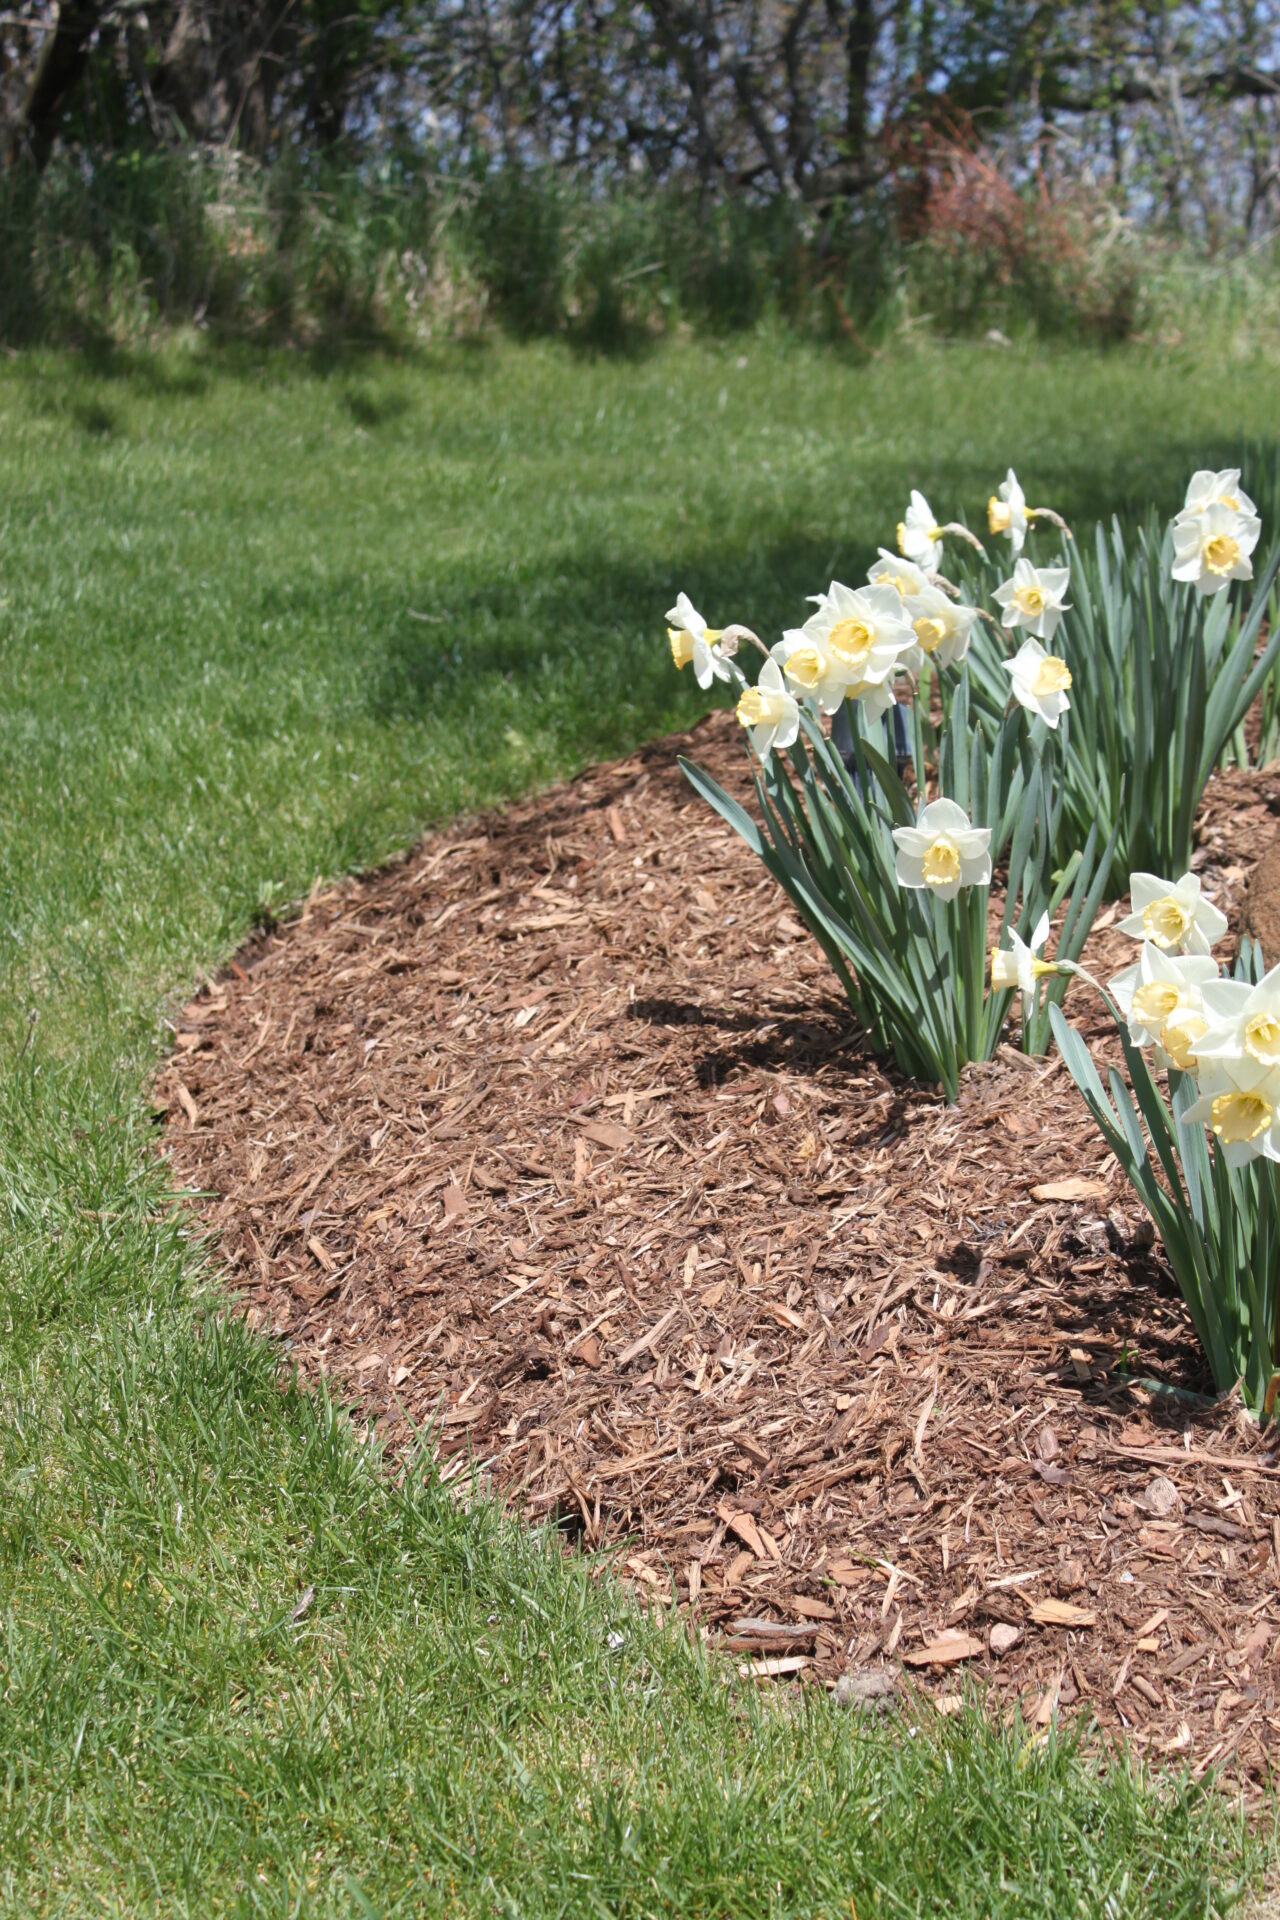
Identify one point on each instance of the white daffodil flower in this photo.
(1240, 1104)
(876, 697)
(1040, 681)
(1162, 1002)
(1017, 966)
(1173, 915)
(1035, 598)
(1244, 1020)
(1007, 512)
(941, 627)
(809, 664)
(692, 639)
(919, 535)
(865, 630)
(943, 851)
(1212, 548)
(893, 570)
(770, 711)
(1207, 489)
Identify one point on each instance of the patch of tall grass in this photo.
(120, 246)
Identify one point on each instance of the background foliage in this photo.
(303, 168)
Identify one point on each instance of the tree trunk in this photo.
(61, 62)
(860, 45)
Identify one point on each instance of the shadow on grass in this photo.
(183, 368)
(372, 410)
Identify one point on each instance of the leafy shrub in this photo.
(518, 229)
(985, 250)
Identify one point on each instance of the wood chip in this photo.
(745, 1527)
(606, 1133)
(945, 1651)
(650, 1339)
(1062, 1613)
(1075, 1188)
(811, 1609)
(773, 1669)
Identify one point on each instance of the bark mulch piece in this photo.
(555, 1133)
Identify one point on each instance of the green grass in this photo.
(261, 621)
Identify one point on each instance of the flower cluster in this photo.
(1216, 532)
(909, 626)
(1161, 998)
(1225, 1032)
(1217, 1035)
(859, 640)
(1052, 737)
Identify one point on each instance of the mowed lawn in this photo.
(262, 620)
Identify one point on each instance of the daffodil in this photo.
(893, 570)
(1172, 915)
(941, 627)
(1007, 512)
(1207, 489)
(1240, 1104)
(770, 711)
(943, 851)
(1035, 598)
(692, 639)
(875, 697)
(1040, 681)
(1212, 548)
(1162, 1001)
(1016, 965)
(811, 667)
(1244, 1020)
(864, 628)
(919, 535)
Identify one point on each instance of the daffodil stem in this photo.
(737, 634)
(1055, 519)
(963, 533)
(1074, 967)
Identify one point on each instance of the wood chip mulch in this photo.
(556, 1133)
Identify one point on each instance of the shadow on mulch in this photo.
(792, 1043)
(555, 1135)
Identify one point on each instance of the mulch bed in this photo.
(555, 1134)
